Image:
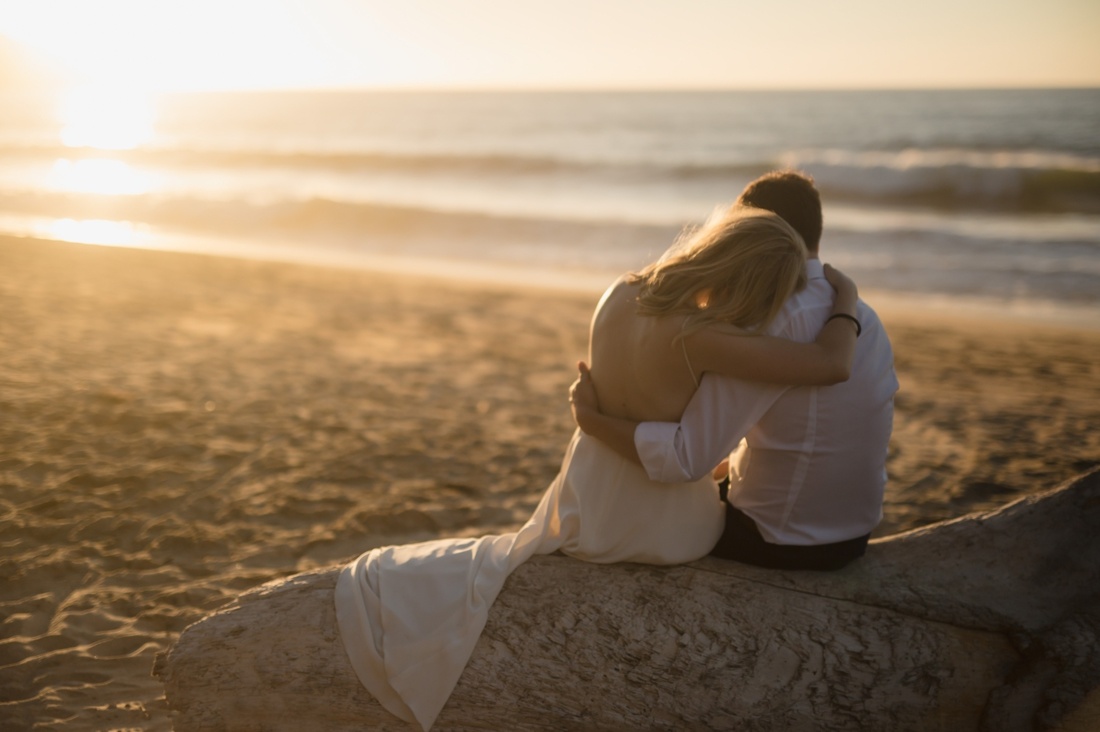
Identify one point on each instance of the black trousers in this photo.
(741, 541)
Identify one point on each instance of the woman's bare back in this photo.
(638, 365)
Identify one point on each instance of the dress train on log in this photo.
(411, 615)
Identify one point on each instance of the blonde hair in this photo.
(746, 260)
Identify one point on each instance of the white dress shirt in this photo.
(809, 463)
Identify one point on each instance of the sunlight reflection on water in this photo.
(97, 175)
(92, 231)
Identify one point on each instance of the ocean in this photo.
(947, 199)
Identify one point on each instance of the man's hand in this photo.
(615, 432)
(583, 400)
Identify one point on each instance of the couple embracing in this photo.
(739, 403)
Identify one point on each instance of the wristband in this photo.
(846, 316)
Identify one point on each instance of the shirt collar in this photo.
(815, 269)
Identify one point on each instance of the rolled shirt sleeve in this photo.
(661, 448)
(720, 414)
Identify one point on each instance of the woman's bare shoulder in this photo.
(622, 290)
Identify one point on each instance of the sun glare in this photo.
(96, 175)
(105, 118)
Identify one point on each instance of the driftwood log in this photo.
(987, 622)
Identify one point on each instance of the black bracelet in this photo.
(854, 319)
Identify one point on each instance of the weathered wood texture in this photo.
(987, 622)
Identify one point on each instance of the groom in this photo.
(808, 464)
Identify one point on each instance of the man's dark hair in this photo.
(792, 195)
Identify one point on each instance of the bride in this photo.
(410, 615)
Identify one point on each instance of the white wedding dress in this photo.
(411, 615)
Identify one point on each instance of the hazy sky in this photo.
(219, 44)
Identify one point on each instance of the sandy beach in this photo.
(175, 429)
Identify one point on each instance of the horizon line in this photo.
(610, 89)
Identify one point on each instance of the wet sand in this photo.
(175, 429)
